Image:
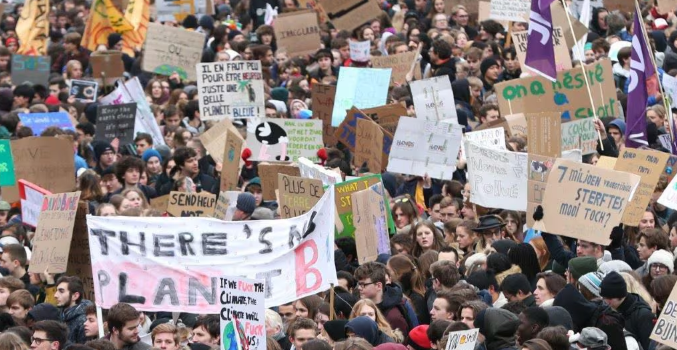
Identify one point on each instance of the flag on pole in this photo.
(641, 69)
(585, 18)
(33, 28)
(540, 48)
(106, 19)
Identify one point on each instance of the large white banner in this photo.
(174, 264)
(498, 178)
(425, 147)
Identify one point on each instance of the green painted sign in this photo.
(7, 177)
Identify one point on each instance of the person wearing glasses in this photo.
(49, 335)
(660, 263)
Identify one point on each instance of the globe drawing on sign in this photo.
(168, 70)
(231, 155)
(229, 337)
(561, 100)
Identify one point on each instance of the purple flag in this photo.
(540, 48)
(641, 69)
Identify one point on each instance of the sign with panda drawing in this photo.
(284, 139)
(232, 89)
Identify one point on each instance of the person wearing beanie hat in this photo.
(334, 331)
(246, 204)
(579, 267)
(233, 34)
(639, 319)
(498, 326)
(105, 155)
(591, 283)
(280, 94)
(367, 329)
(206, 23)
(661, 263)
(614, 265)
(164, 150)
(153, 161)
(418, 338)
(490, 71)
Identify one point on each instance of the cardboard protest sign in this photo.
(369, 146)
(33, 69)
(347, 133)
(84, 90)
(425, 147)
(559, 19)
(648, 165)
(196, 250)
(107, 66)
(79, 260)
(230, 169)
(359, 50)
(298, 195)
(371, 223)
(160, 203)
(579, 134)
(667, 6)
(562, 57)
(350, 14)
(297, 32)
(606, 162)
(489, 138)
(168, 50)
(243, 313)
(38, 122)
(116, 121)
(177, 11)
(7, 177)
(323, 105)
(463, 340)
(498, 178)
(538, 174)
(274, 139)
(52, 240)
(484, 13)
(664, 329)
(359, 87)
(191, 204)
(145, 122)
(268, 174)
(32, 196)
(45, 161)
(214, 139)
(620, 5)
(434, 99)
(585, 202)
(400, 65)
(232, 89)
(344, 204)
(225, 205)
(510, 10)
(517, 124)
(387, 116)
(568, 95)
(311, 170)
(545, 134)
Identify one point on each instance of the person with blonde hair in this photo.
(635, 286)
(11, 341)
(366, 307)
(166, 336)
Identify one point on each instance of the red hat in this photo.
(10, 40)
(52, 101)
(322, 154)
(419, 337)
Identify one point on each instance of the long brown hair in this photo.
(405, 271)
(438, 241)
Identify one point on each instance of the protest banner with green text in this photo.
(344, 203)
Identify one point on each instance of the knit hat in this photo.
(280, 94)
(5, 206)
(590, 338)
(418, 337)
(486, 64)
(592, 282)
(43, 312)
(662, 257)
(559, 316)
(246, 202)
(614, 265)
(102, 147)
(164, 151)
(336, 329)
(613, 286)
(262, 213)
(253, 182)
(150, 153)
(207, 22)
(582, 265)
(233, 34)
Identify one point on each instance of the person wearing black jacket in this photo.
(441, 61)
(187, 163)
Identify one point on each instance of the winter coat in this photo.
(75, 317)
(365, 328)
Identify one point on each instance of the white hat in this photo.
(662, 257)
(616, 47)
(614, 265)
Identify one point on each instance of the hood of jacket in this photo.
(76, 311)
(392, 296)
(580, 309)
(632, 304)
(461, 89)
(499, 327)
(45, 311)
(365, 328)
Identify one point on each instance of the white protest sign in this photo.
(669, 196)
(145, 119)
(275, 139)
(670, 87)
(243, 312)
(666, 141)
(231, 89)
(498, 178)
(510, 10)
(313, 171)
(462, 340)
(579, 134)
(31, 206)
(359, 50)
(489, 138)
(172, 264)
(425, 147)
(434, 99)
